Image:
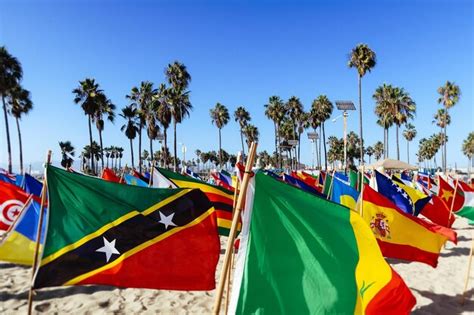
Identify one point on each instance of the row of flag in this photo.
(299, 231)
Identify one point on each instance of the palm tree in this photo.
(130, 127)
(322, 108)
(87, 95)
(163, 115)
(143, 99)
(369, 151)
(67, 150)
(11, 74)
(449, 96)
(315, 122)
(403, 108)
(119, 154)
(19, 103)
(468, 151)
(296, 113)
(177, 97)
(363, 59)
(242, 116)
(251, 134)
(409, 134)
(378, 150)
(220, 118)
(107, 109)
(384, 98)
(198, 159)
(442, 119)
(275, 110)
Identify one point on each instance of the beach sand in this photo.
(437, 291)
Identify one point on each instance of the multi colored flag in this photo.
(109, 175)
(221, 198)
(467, 209)
(293, 181)
(104, 233)
(394, 193)
(19, 244)
(134, 181)
(418, 198)
(12, 202)
(401, 235)
(344, 194)
(301, 254)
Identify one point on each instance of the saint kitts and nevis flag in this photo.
(106, 233)
(221, 198)
(401, 235)
(301, 254)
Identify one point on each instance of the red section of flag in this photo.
(109, 175)
(446, 193)
(221, 183)
(186, 260)
(12, 200)
(437, 211)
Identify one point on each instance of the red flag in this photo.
(446, 193)
(110, 176)
(221, 183)
(12, 200)
(437, 211)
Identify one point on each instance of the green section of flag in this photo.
(353, 178)
(301, 254)
(327, 184)
(71, 193)
(176, 176)
(466, 212)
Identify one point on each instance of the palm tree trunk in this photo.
(360, 121)
(445, 166)
(408, 152)
(388, 147)
(101, 149)
(20, 145)
(151, 149)
(131, 152)
(242, 142)
(174, 149)
(165, 152)
(299, 150)
(398, 145)
(320, 151)
(325, 153)
(277, 145)
(108, 162)
(140, 148)
(9, 145)
(90, 142)
(220, 149)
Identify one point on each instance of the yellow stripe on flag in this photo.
(17, 249)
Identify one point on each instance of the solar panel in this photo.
(345, 105)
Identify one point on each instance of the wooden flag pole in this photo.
(150, 181)
(229, 270)
(362, 191)
(330, 185)
(468, 273)
(38, 233)
(452, 202)
(233, 229)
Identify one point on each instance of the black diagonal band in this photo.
(127, 235)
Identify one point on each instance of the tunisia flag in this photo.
(12, 200)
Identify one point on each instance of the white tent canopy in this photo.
(390, 164)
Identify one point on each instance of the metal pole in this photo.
(344, 116)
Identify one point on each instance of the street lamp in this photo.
(183, 150)
(313, 136)
(344, 106)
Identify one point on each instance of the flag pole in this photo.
(362, 191)
(38, 233)
(150, 181)
(330, 185)
(452, 202)
(229, 270)
(463, 297)
(4, 235)
(233, 229)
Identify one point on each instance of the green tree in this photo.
(87, 95)
(67, 150)
(322, 108)
(409, 133)
(468, 150)
(363, 59)
(220, 118)
(19, 104)
(163, 115)
(275, 110)
(378, 150)
(449, 96)
(11, 74)
(178, 97)
(384, 98)
(105, 108)
(295, 111)
(242, 116)
(129, 113)
(369, 151)
(251, 134)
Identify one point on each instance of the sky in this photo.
(239, 53)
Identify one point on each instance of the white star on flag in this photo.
(167, 220)
(108, 248)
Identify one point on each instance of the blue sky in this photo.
(238, 53)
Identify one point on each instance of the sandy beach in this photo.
(438, 291)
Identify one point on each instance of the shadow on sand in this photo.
(446, 304)
(47, 294)
(456, 251)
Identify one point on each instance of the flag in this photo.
(428, 181)
(293, 181)
(437, 211)
(109, 175)
(446, 193)
(134, 181)
(394, 193)
(220, 181)
(127, 236)
(417, 198)
(301, 254)
(221, 198)
(161, 181)
(190, 173)
(12, 201)
(141, 177)
(327, 184)
(8, 178)
(401, 235)
(31, 185)
(19, 243)
(406, 176)
(344, 194)
(226, 176)
(308, 179)
(467, 209)
(342, 177)
(354, 179)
